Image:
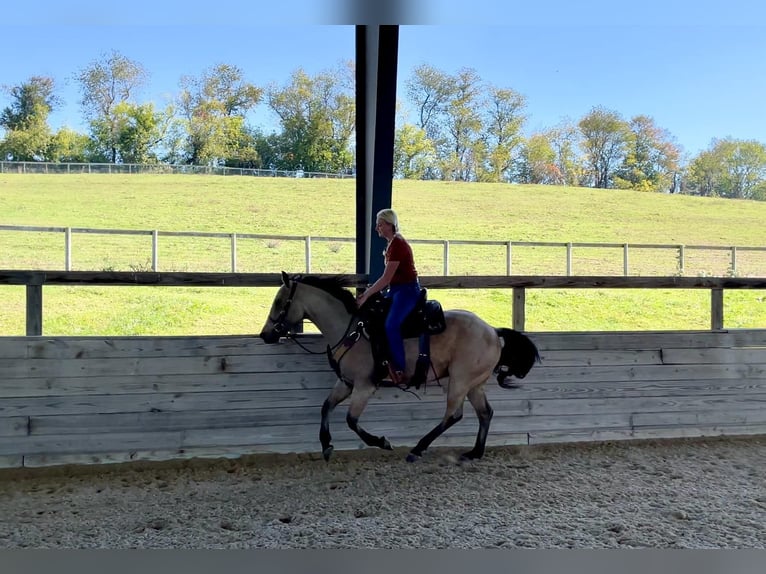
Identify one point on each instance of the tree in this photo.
(213, 107)
(537, 162)
(502, 132)
(26, 120)
(464, 125)
(605, 135)
(69, 146)
(730, 168)
(317, 117)
(413, 152)
(104, 85)
(564, 139)
(651, 157)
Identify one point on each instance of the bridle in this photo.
(282, 330)
(280, 323)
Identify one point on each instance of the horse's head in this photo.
(285, 312)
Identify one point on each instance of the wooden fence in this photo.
(97, 400)
(92, 400)
(36, 280)
(567, 248)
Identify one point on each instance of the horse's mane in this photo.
(332, 286)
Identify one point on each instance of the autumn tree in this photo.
(651, 157)
(564, 139)
(537, 162)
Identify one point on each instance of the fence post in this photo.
(519, 308)
(716, 309)
(733, 260)
(308, 254)
(233, 252)
(68, 249)
(508, 261)
(446, 257)
(569, 259)
(34, 310)
(681, 262)
(155, 249)
(625, 259)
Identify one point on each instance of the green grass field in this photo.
(325, 207)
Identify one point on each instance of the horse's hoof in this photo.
(469, 457)
(386, 445)
(327, 452)
(412, 457)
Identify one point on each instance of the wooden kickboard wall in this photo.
(92, 400)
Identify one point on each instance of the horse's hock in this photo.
(95, 400)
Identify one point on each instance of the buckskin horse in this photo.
(467, 353)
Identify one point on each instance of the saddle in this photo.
(426, 319)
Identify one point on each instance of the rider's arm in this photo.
(381, 283)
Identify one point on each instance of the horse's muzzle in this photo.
(269, 337)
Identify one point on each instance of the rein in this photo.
(280, 326)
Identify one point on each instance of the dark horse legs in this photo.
(339, 393)
(483, 412)
(426, 441)
(359, 400)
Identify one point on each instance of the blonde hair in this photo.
(389, 216)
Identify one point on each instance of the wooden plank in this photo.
(126, 384)
(121, 347)
(214, 400)
(93, 347)
(564, 375)
(622, 340)
(699, 431)
(701, 418)
(14, 368)
(631, 388)
(14, 426)
(81, 444)
(588, 435)
(748, 356)
(341, 445)
(646, 404)
(11, 461)
(600, 358)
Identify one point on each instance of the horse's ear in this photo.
(285, 279)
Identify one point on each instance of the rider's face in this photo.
(384, 228)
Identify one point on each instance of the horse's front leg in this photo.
(337, 395)
(359, 397)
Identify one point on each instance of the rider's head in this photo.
(389, 216)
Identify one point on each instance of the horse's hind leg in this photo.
(453, 414)
(359, 398)
(484, 412)
(338, 393)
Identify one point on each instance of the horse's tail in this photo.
(517, 356)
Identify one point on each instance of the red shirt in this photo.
(399, 250)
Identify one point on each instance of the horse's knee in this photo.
(352, 422)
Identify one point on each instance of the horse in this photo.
(467, 353)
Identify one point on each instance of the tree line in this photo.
(450, 126)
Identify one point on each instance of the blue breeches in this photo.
(403, 300)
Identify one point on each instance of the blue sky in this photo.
(698, 68)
